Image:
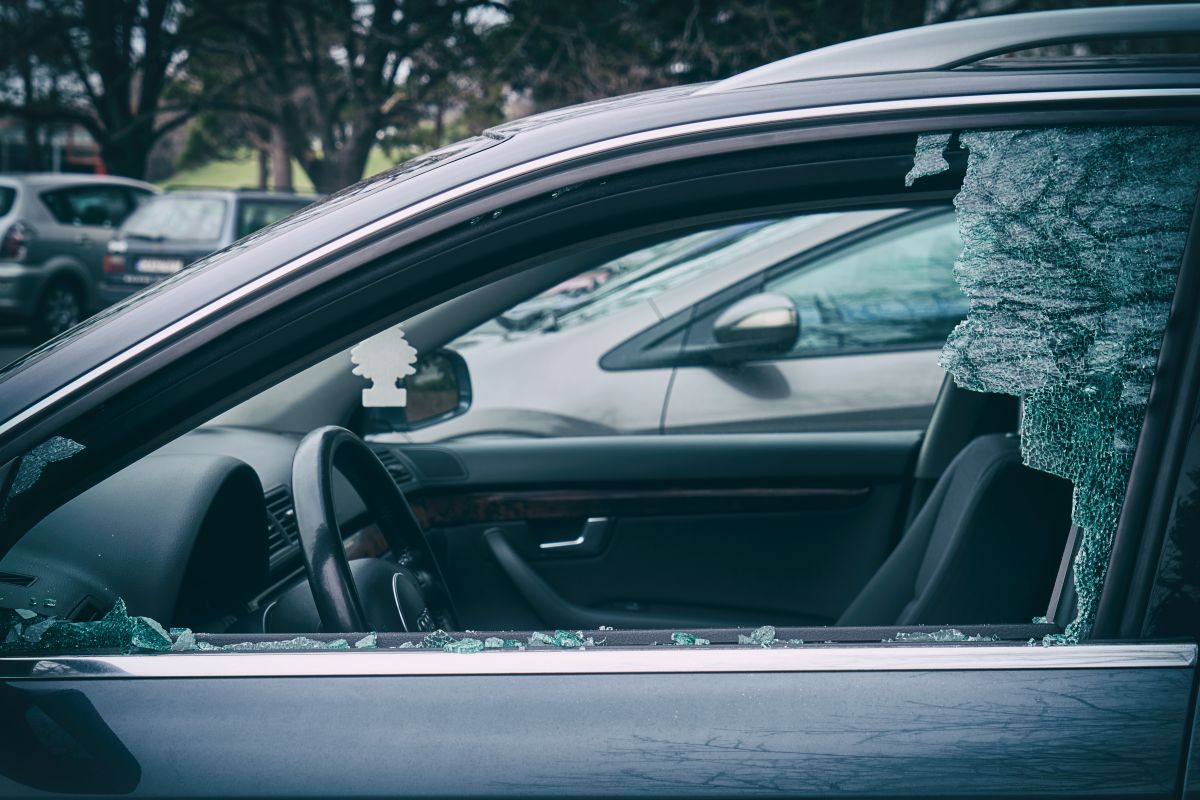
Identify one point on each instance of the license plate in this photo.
(161, 266)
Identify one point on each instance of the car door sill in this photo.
(602, 661)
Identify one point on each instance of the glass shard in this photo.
(464, 645)
(117, 630)
(564, 639)
(688, 639)
(298, 643)
(944, 635)
(761, 637)
(929, 158)
(496, 643)
(368, 642)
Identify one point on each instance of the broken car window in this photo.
(1073, 239)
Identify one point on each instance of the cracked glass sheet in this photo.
(929, 158)
(1073, 239)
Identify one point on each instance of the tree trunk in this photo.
(264, 167)
(337, 170)
(35, 158)
(281, 161)
(127, 155)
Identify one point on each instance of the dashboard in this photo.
(201, 533)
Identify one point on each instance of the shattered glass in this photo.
(688, 639)
(496, 643)
(564, 639)
(368, 642)
(929, 158)
(22, 629)
(944, 635)
(1073, 239)
(464, 645)
(34, 463)
(298, 643)
(762, 637)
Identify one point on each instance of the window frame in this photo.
(222, 356)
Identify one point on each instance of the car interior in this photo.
(827, 536)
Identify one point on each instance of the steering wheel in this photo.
(420, 591)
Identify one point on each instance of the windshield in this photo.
(178, 218)
(7, 196)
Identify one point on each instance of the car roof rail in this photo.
(952, 44)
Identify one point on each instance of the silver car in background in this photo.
(54, 232)
(784, 324)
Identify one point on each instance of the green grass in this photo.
(242, 173)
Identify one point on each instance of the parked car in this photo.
(866, 299)
(54, 229)
(180, 227)
(212, 586)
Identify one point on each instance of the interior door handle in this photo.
(590, 539)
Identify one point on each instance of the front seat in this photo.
(984, 548)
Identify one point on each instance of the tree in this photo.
(103, 65)
(331, 75)
(575, 50)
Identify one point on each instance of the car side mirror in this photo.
(758, 326)
(439, 390)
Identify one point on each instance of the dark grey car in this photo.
(54, 231)
(212, 587)
(180, 227)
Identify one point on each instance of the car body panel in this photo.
(888, 391)
(928, 732)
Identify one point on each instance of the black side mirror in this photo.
(759, 326)
(440, 389)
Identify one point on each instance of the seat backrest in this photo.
(984, 548)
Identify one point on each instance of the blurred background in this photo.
(282, 101)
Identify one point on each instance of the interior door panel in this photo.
(663, 532)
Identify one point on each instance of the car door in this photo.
(635, 716)
(873, 306)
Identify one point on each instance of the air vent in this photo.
(395, 467)
(282, 532)
(16, 580)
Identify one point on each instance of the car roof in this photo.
(51, 180)
(245, 194)
(954, 44)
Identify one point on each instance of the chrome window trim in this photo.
(559, 159)
(605, 661)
